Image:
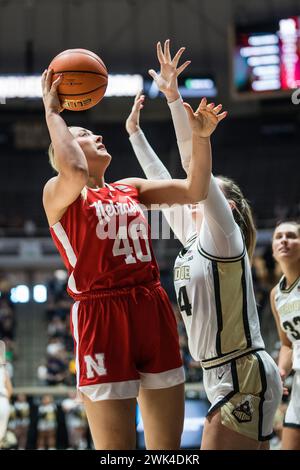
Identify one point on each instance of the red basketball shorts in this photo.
(125, 339)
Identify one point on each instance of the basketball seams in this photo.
(85, 93)
(81, 51)
(79, 71)
(85, 78)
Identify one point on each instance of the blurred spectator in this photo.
(57, 285)
(42, 373)
(7, 323)
(72, 372)
(4, 287)
(11, 349)
(12, 419)
(76, 422)
(5, 394)
(57, 369)
(57, 327)
(22, 413)
(29, 228)
(55, 346)
(47, 423)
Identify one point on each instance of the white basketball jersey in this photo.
(217, 304)
(287, 302)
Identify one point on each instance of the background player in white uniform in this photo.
(214, 288)
(285, 302)
(5, 393)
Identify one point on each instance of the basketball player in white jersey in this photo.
(285, 302)
(5, 393)
(214, 285)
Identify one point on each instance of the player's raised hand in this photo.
(166, 80)
(133, 121)
(49, 89)
(206, 117)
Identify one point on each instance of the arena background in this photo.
(258, 146)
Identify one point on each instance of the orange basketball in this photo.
(84, 78)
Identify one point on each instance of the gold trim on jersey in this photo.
(192, 237)
(245, 409)
(220, 361)
(282, 283)
(231, 303)
(216, 258)
(187, 245)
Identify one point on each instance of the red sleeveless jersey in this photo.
(105, 242)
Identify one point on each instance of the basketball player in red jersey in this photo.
(123, 325)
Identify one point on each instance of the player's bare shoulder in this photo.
(48, 189)
(54, 209)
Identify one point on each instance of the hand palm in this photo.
(133, 120)
(206, 117)
(166, 80)
(167, 77)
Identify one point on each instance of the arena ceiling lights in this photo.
(119, 85)
(29, 86)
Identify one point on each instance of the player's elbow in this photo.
(197, 195)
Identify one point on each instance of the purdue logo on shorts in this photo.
(93, 366)
(243, 412)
